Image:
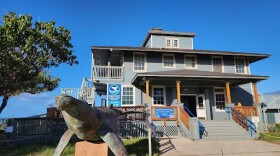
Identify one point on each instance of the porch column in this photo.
(256, 95)
(178, 91)
(147, 91)
(228, 92)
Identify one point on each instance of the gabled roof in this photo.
(198, 74)
(158, 31)
(253, 57)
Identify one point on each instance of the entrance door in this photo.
(201, 109)
(190, 102)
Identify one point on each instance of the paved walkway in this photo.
(186, 147)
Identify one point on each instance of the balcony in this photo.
(84, 94)
(108, 73)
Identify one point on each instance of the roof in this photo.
(198, 74)
(253, 56)
(157, 31)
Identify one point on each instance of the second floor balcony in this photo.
(108, 73)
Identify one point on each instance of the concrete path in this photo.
(180, 146)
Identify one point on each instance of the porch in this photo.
(204, 93)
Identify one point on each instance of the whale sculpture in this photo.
(90, 124)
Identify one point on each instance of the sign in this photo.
(164, 113)
(9, 129)
(114, 94)
(255, 119)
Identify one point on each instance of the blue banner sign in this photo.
(114, 94)
(164, 113)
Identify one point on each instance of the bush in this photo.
(272, 128)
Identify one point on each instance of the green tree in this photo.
(27, 52)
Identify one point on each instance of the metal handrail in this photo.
(201, 127)
(242, 119)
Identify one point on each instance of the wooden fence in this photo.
(247, 110)
(47, 130)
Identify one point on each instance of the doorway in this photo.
(189, 101)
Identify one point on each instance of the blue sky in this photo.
(232, 25)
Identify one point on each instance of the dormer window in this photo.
(172, 43)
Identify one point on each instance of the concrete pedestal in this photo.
(85, 148)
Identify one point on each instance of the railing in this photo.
(241, 119)
(85, 94)
(184, 117)
(108, 72)
(164, 113)
(201, 127)
(140, 115)
(247, 110)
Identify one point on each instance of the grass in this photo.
(272, 136)
(135, 147)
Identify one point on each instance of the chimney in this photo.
(157, 29)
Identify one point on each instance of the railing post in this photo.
(194, 130)
(228, 110)
(253, 134)
(260, 126)
(148, 112)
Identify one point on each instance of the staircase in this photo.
(224, 130)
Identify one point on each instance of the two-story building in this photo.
(167, 70)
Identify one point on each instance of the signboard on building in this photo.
(164, 113)
(114, 94)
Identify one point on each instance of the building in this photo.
(167, 70)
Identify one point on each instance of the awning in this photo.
(196, 77)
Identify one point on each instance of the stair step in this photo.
(224, 130)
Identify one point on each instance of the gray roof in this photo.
(166, 33)
(198, 74)
(253, 57)
(272, 101)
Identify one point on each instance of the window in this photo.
(127, 95)
(240, 65)
(220, 98)
(158, 96)
(175, 43)
(172, 43)
(190, 61)
(139, 60)
(168, 60)
(168, 43)
(217, 63)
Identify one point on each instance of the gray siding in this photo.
(241, 94)
(184, 42)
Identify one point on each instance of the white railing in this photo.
(107, 72)
(85, 94)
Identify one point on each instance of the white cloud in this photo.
(43, 98)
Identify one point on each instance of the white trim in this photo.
(244, 60)
(145, 62)
(222, 61)
(178, 44)
(248, 66)
(164, 95)
(172, 43)
(133, 88)
(192, 43)
(218, 110)
(195, 66)
(174, 60)
(151, 41)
